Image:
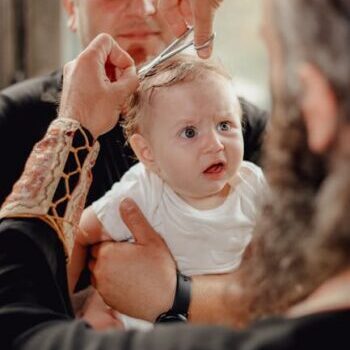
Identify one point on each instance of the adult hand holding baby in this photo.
(116, 282)
(200, 13)
(98, 104)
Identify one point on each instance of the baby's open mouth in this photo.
(215, 168)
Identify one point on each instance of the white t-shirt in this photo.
(201, 241)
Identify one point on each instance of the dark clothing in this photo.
(27, 109)
(35, 311)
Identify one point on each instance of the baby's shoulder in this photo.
(138, 178)
(249, 172)
(137, 171)
(250, 181)
(140, 175)
(249, 190)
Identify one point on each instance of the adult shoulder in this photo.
(30, 104)
(26, 110)
(21, 100)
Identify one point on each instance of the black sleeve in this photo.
(73, 336)
(254, 124)
(35, 310)
(32, 278)
(24, 120)
(26, 111)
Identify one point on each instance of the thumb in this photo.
(138, 225)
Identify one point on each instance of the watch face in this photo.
(170, 318)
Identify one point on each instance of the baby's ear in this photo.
(143, 150)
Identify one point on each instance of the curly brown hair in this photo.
(180, 68)
(303, 236)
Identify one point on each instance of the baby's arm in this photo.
(91, 232)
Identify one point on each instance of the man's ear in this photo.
(319, 107)
(69, 6)
(143, 151)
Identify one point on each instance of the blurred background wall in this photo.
(30, 38)
(34, 40)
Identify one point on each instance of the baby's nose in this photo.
(213, 143)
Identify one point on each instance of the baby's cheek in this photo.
(237, 148)
(176, 166)
(235, 155)
(179, 176)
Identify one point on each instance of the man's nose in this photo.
(141, 8)
(213, 142)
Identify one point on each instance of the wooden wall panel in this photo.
(7, 43)
(42, 27)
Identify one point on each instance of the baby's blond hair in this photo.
(181, 68)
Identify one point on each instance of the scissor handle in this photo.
(173, 50)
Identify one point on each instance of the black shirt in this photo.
(35, 311)
(27, 108)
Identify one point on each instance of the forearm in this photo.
(55, 180)
(76, 265)
(38, 227)
(217, 299)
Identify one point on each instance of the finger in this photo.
(100, 48)
(125, 70)
(171, 11)
(111, 56)
(186, 12)
(120, 58)
(119, 65)
(203, 24)
(126, 84)
(138, 225)
(93, 281)
(203, 29)
(92, 264)
(96, 249)
(92, 268)
(98, 51)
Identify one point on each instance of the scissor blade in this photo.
(158, 59)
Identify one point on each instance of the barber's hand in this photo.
(200, 13)
(137, 279)
(93, 94)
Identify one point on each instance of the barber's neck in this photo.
(332, 295)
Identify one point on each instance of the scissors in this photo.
(174, 48)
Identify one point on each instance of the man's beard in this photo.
(278, 273)
(303, 236)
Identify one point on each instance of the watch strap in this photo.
(179, 310)
(182, 294)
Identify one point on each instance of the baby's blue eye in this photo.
(224, 126)
(189, 132)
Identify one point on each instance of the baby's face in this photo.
(195, 135)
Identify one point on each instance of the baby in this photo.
(184, 125)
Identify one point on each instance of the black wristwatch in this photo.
(179, 310)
